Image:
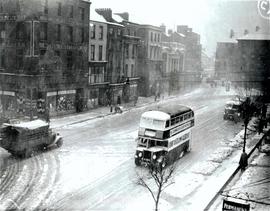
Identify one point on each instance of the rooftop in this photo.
(255, 36)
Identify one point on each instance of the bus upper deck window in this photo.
(181, 118)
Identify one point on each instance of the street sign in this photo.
(234, 206)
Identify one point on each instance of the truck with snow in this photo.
(24, 138)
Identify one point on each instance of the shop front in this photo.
(61, 102)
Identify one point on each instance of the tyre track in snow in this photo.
(25, 183)
(42, 184)
(95, 190)
(8, 172)
(51, 182)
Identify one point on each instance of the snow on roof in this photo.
(115, 24)
(94, 16)
(30, 125)
(117, 18)
(159, 115)
(255, 36)
(228, 40)
(233, 102)
(182, 35)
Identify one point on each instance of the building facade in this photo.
(121, 69)
(48, 41)
(150, 62)
(193, 51)
(227, 59)
(131, 42)
(98, 83)
(254, 66)
(173, 54)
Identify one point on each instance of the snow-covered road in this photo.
(94, 169)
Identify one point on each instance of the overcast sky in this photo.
(212, 19)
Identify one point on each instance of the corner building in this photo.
(44, 56)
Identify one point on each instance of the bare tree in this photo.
(162, 177)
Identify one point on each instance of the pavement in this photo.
(250, 186)
(98, 112)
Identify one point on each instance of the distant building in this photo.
(173, 54)
(150, 62)
(227, 59)
(254, 67)
(44, 56)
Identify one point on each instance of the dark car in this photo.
(233, 111)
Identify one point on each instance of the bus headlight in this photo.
(140, 154)
(154, 157)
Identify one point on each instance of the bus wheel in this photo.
(137, 162)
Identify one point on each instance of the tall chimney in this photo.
(245, 32)
(257, 28)
(231, 33)
(163, 28)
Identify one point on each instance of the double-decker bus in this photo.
(164, 135)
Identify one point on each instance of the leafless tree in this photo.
(162, 178)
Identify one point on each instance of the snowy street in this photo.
(95, 170)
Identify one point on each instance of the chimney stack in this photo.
(231, 33)
(245, 32)
(257, 28)
(124, 15)
(106, 13)
(163, 28)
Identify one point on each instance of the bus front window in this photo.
(152, 124)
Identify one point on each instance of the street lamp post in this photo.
(247, 113)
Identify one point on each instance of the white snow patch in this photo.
(146, 202)
(205, 167)
(185, 184)
(220, 154)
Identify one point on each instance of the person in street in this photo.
(260, 126)
(243, 163)
(118, 100)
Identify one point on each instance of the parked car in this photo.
(233, 111)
